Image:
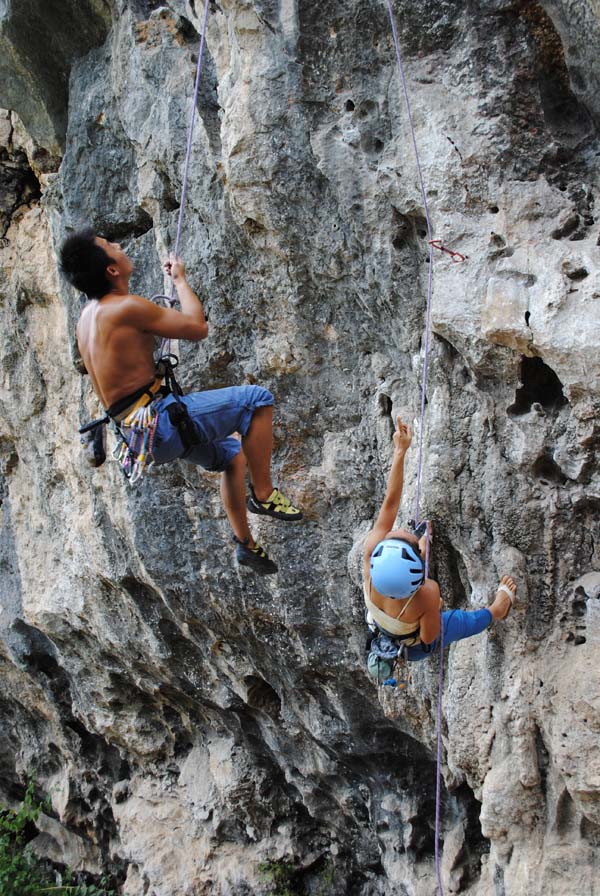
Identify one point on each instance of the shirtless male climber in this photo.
(116, 337)
(403, 607)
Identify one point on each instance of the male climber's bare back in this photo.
(116, 351)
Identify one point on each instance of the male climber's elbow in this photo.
(198, 332)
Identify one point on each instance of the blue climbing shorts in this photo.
(216, 414)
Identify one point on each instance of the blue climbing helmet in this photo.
(397, 568)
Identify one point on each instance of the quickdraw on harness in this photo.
(134, 454)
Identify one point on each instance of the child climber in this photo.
(403, 607)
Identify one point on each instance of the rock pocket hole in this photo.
(546, 470)
(590, 832)
(385, 405)
(576, 273)
(540, 385)
(366, 109)
(349, 106)
(260, 695)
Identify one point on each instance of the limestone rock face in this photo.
(201, 731)
(38, 43)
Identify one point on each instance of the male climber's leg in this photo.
(233, 495)
(258, 447)
(247, 410)
(265, 500)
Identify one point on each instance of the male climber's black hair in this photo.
(84, 264)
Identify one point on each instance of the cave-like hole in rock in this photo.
(566, 117)
(469, 858)
(385, 404)
(539, 385)
(420, 832)
(349, 106)
(590, 831)
(140, 224)
(547, 471)
(577, 273)
(260, 695)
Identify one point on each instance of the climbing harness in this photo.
(133, 419)
(134, 454)
(433, 243)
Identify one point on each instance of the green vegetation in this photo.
(281, 877)
(21, 873)
(284, 879)
(327, 880)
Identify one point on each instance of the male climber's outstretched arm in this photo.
(393, 493)
(189, 323)
(191, 305)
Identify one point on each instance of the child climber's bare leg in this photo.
(265, 499)
(502, 604)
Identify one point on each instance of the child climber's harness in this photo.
(134, 420)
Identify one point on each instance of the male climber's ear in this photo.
(112, 270)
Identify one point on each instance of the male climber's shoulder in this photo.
(136, 310)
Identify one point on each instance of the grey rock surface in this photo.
(38, 43)
(197, 729)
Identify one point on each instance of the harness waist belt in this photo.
(122, 408)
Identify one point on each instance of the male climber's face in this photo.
(120, 259)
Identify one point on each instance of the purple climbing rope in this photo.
(438, 778)
(166, 345)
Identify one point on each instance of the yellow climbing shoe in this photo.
(277, 506)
